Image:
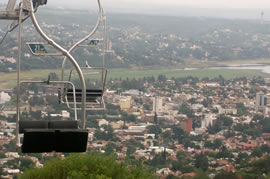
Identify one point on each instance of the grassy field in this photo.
(8, 80)
(200, 73)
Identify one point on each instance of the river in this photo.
(261, 67)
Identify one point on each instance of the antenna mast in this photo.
(262, 17)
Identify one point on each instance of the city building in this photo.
(187, 124)
(261, 101)
(125, 102)
(4, 97)
(157, 104)
(207, 121)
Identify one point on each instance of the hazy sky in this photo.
(247, 9)
(252, 4)
(192, 3)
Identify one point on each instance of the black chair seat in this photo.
(49, 136)
(71, 140)
(38, 141)
(48, 140)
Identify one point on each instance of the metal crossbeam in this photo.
(9, 15)
(13, 14)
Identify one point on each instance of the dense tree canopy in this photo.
(185, 109)
(86, 166)
(201, 161)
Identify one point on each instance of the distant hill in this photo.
(144, 40)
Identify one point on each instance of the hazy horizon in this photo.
(242, 9)
(242, 4)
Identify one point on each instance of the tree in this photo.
(221, 80)
(179, 134)
(162, 78)
(2, 155)
(241, 109)
(107, 134)
(92, 123)
(257, 152)
(265, 148)
(201, 161)
(226, 175)
(215, 128)
(242, 157)
(133, 84)
(188, 144)
(265, 125)
(260, 167)
(154, 129)
(159, 161)
(227, 121)
(147, 107)
(87, 166)
(224, 153)
(2, 172)
(36, 101)
(129, 118)
(258, 117)
(156, 119)
(192, 100)
(182, 163)
(208, 144)
(213, 145)
(53, 76)
(11, 146)
(130, 150)
(172, 177)
(217, 143)
(110, 148)
(167, 136)
(36, 114)
(200, 175)
(112, 107)
(25, 163)
(185, 109)
(205, 103)
(198, 54)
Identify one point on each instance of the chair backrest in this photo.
(63, 125)
(25, 125)
(91, 95)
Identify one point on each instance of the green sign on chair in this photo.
(37, 48)
(93, 43)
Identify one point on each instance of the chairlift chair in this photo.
(49, 136)
(94, 97)
(45, 136)
(53, 135)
